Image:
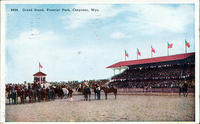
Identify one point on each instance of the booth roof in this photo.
(39, 74)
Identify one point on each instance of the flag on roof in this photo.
(187, 44)
(170, 45)
(153, 50)
(126, 54)
(138, 52)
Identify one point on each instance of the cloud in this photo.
(146, 19)
(118, 35)
(78, 19)
(152, 19)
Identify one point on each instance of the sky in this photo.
(79, 45)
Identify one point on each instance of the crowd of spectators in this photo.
(166, 76)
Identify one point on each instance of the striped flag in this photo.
(40, 65)
(187, 44)
(126, 54)
(138, 52)
(170, 45)
(153, 50)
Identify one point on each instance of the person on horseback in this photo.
(13, 94)
(29, 86)
(30, 92)
(47, 89)
(65, 91)
(25, 86)
(38, 91)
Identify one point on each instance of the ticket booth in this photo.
(40, 77)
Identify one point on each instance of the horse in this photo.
(86, 92)
(52, 92)
(70, 92)
(85, 89)
(183, 89)
(80, 88)
(58, 91)
(11, 94)
(94, 87)
(65, 92)
(44, 95)
(109, 90)
(30, 95)
(34, 90)
(8, 93)
(21, 94)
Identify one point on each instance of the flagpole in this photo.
(39, 67)
(185, 47)
(125, 57)
(137, 53)
(151, 52)
(167, 49)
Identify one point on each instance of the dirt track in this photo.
(125, 108)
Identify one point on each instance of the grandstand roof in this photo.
(151, 60)
(39, 74)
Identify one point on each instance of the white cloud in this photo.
(118, 35)
(153, 19)
(78, 19)
(147, 19)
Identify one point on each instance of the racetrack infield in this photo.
(124, 108)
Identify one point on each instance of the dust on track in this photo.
(124, 108)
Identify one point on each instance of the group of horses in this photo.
(86, 90)
(18, 94)
(34, 94)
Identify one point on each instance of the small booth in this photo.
(40, 77)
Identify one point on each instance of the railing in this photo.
(159, 90)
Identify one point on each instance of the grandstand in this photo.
(159, 72)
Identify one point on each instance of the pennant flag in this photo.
(40, 65)
(126, 54)
(153, 50)
(138, 52)
(187, 44)
(170, 45)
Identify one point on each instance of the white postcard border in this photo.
(197, 50)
